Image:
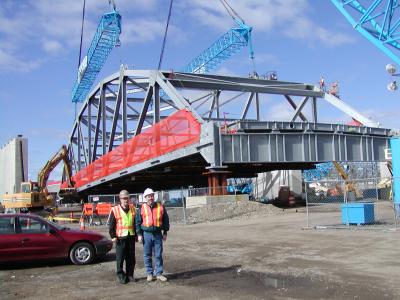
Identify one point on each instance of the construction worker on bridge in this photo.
(152, 225)
(122, 232)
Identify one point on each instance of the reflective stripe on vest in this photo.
(124, 221)
(152, 216)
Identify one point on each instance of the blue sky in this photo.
(300, 39)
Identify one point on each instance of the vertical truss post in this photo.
(89, 133)
(216, 97)
(257, 107)
(314, 110)
(83, 143)
(215, 94)
(124, 111)
(79, 145)
(118, 101)
(156, 103)
(96, 132)
(103, 120)
(145, 107)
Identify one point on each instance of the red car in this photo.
(30, 237)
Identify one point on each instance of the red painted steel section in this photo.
(177, 131)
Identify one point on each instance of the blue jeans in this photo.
(153, 246)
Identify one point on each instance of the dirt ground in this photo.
(259, 256)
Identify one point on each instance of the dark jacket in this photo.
(139, 228)
(113, 224)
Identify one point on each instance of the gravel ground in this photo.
(257, 252)
(223, 211)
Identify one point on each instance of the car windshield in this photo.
(58, 226)
(52, 223)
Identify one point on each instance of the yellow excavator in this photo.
(349, 185)
(34, 195)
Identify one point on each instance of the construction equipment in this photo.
(350, 186)
(239, 186)
(320, 172)
(34, 195)
(223, 48)
(376, 20)
(105, 39)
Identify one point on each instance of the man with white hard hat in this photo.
(122, 232)
(152, 225)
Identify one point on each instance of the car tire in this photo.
(82, 253)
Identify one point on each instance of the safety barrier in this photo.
(103, 209)
(177, 131)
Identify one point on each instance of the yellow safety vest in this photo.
(124, 221)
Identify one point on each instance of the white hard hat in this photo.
(148, 192)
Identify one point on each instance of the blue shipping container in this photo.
(358, 213)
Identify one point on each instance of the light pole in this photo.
(391, 69)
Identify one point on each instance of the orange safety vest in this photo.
(152, 216)
(124, 221)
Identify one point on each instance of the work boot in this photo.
(123, 280)
(149, 278)
(162, 278)
(132, 279)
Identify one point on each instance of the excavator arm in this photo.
(340, 170)
(44, 173)
(350, 186)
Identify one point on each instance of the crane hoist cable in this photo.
(239, 20)
(231, 11)
(80, 45)
(83, 21)
(165, 35)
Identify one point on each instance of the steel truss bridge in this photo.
(162, 129)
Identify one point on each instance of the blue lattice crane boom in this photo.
(376, 20)
(104, 40)
(223, 48)
(320, 172)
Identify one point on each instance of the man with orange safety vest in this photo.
(152, 225)
(122, 232)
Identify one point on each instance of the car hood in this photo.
(82, 234)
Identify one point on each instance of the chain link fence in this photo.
(352, 204)
(192, 205)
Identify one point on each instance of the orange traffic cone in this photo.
(82, 224)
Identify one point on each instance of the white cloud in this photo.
(52, 46)
(290, 17)
(9, 62)
(279, 112)
(267, 58)
(225, 71)
(57, 24)
(387, 118)
(307, 30)
(141, 31)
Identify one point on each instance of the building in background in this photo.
(13, 165)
